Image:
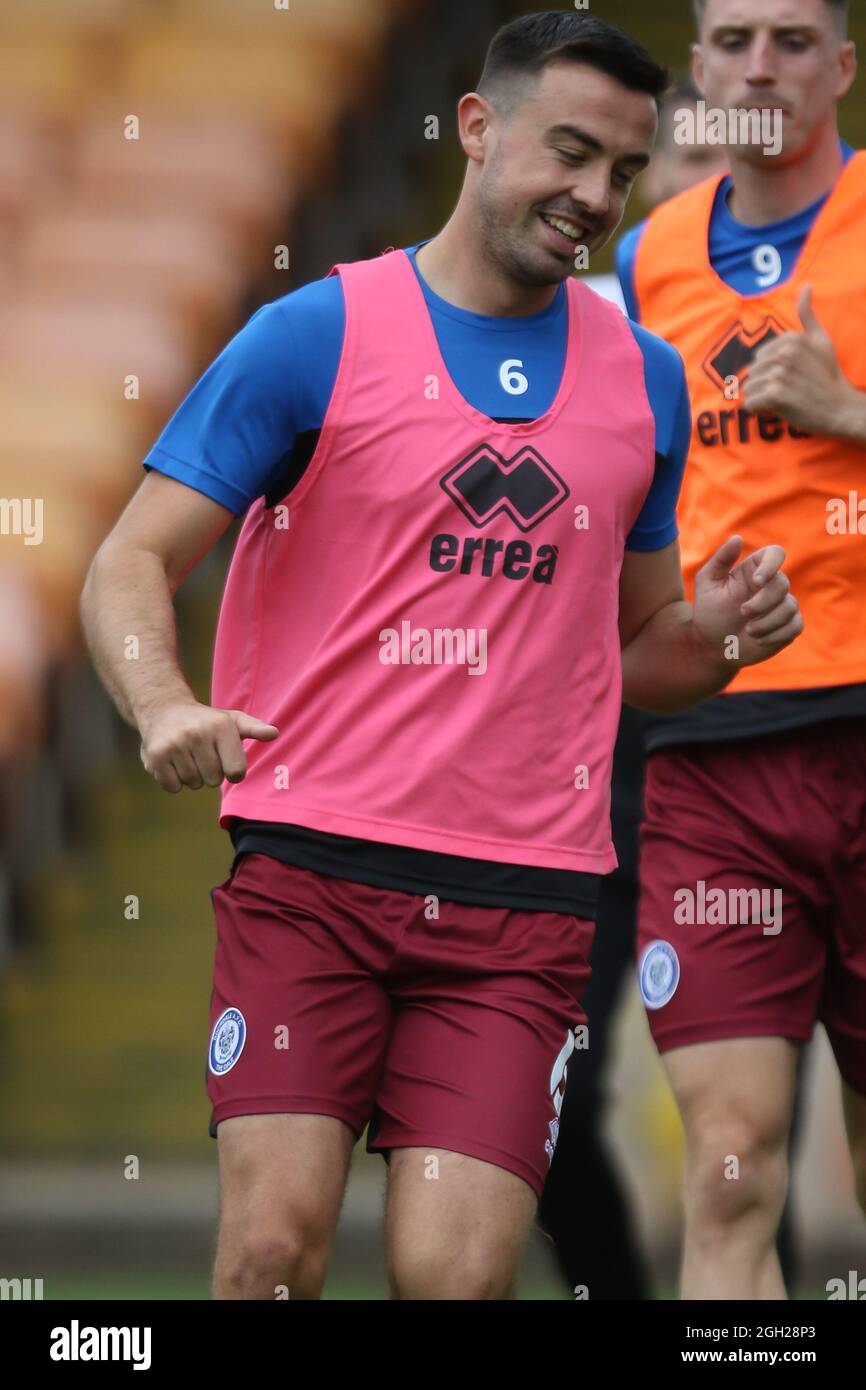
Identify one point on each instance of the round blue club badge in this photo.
(658, 974)
(226, 1041)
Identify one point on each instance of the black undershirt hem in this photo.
(752, 714)
(479, 882)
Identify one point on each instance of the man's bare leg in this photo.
(282, 1179)
(736, 1100)
(455, 1227)
(854, 1106)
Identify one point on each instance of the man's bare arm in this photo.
(129, 622)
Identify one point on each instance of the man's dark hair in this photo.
(681, 92)
(839, 8)
(520, 51)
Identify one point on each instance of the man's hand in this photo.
(187, 744)
(752, 603)
(798, 377)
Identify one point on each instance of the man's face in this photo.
(570, 150)
(783, 55)
(676, 167)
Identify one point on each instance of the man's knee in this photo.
(261, 1261)
(428, 1273)
(735, 1169)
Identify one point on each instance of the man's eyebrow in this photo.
(724, 30)
(641, 158)
(575, 133)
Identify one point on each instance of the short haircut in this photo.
(681, 92)
(839, 8)
(520, 51)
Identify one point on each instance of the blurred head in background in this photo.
(793, 56)
(562, 123)
(676, 167)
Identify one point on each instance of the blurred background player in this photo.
(585, 1207)
(759, 278)
(674, 167)
(596, 1242)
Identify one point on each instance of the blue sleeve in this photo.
(626, 254)
(668, 392)
(233, 434)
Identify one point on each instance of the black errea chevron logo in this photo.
(485, 485)
(735, 353)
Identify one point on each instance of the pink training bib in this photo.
(430, 616)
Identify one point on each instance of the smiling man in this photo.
(452, 435)
(759, 279)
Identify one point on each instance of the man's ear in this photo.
(847, 69)
(698, 67)
(474, 118)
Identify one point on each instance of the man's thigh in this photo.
(282, 1179)
(735, 1090)
(282, 1170)
(455, 1226)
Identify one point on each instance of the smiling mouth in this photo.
(573, 232)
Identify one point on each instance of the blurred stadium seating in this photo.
(130, 257)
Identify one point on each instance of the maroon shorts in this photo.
(753, 891)
(449, 1031)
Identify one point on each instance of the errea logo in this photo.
(525, 488)
(734, 354)
(520, 491)
(727, 365)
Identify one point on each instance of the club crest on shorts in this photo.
(658, 974)
(226, 1041)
